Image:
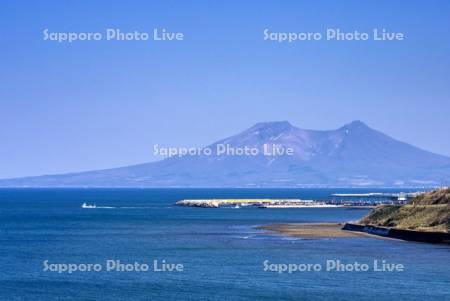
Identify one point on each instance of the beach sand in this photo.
(313, 230)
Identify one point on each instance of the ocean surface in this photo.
(221, 253)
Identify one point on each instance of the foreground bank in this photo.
(411, 235)
(425, 219)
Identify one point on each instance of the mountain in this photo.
(353, 155)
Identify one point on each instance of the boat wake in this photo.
(93, 206)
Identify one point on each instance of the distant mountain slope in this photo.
(353, 155)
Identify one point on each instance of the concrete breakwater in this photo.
(199, 203)
(410, 235)
(214, 203)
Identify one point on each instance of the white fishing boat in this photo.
(88, 206)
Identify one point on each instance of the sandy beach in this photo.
(312, 230)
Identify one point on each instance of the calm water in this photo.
(221, 252)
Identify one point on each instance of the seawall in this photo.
(410, 235)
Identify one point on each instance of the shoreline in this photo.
(313, 230)
(349, 230)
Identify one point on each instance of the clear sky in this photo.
(99, 104)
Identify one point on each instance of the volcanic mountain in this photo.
(351, 156)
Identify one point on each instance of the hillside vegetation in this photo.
(439, 196)
(427, 212)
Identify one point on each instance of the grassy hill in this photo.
(436, 197)
(427, 212)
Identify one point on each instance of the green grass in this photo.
(411, 217)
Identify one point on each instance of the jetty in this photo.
(377, 197)
(214, 203)
(260, 203)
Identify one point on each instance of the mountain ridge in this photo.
(353, 155)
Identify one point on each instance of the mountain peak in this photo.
(271, 128)
(356, 124)
(273, 125)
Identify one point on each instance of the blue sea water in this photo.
(221, 252)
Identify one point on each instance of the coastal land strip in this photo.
(313, 230)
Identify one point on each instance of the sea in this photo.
(138, 245)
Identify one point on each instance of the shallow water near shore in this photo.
(222, 253)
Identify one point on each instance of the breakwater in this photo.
(214, 203)
(410, 235)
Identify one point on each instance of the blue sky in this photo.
(91, 105)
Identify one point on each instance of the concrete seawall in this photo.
(410, 235)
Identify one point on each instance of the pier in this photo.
(263, 203)
(375, 197)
